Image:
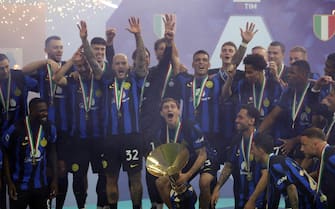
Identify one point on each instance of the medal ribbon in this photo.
(330, 127)
(321, 168)
(167, 77)
(198, 94)
(33, 146)
(295, 109)
(87, 104)
(118, 93)
(175, 136)
(52, 85)
(142, 91)
(2, 97)
(258, 104)
(281, 71)
(247, 158)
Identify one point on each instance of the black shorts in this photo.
(125, 150)
(35, 198)
(63, 144)
(83, 152)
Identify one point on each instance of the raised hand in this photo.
(169, 24)
(134, 25)
(82, 30)
(77, 57)
(249, 32)
(110, 35)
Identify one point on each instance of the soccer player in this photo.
(257, 89)
(14, 87)
(176, 130)
(314, 144)
(158, 83)
(286, 177)
(296, 107)
(276, 66)
(249, 176)
(123, 144)
(30, 148)
(228, 78)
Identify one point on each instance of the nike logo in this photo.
(133, 165)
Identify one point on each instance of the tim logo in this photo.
(324, 26)
(248, 4)
(247, 1)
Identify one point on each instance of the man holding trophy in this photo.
(173, 180)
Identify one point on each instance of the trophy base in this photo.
(185, 200)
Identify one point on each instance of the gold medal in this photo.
(249, 176)
(323, 198)
(119, 114)
(86, 116)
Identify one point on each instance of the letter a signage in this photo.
(324, 26)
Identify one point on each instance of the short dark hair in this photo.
(331, 58)
(314, 133)
(256, 61)
(159, 42)
(252, 112)
(3, 57)
(201, 51)
(133, 55)
(264, 141)
(50, 38)
(98, 41)
(303, 66)
(169, 99)
(34, 102)
(280, 44)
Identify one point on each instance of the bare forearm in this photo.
(226, 171)
(261, 185)
(97, 71)
(238, 56)
(32, 67)
(202, 156)
(293, 196)
(140, 64)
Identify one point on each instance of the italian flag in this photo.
(324, 26)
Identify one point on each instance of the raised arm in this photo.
(110, 51)
(170, 31)
(32, 67)
(88, 53)
(246, 35)
(140, 61)
(59, 76)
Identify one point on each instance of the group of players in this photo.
(271, 125)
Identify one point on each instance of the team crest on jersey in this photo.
(189, 84)
(17, 92)
(266, 102)
(75, 167)
(98, 93)
(44, 142)
(209, 84)
(324, 26)
(126, 85)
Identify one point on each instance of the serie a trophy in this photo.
(168, 160)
